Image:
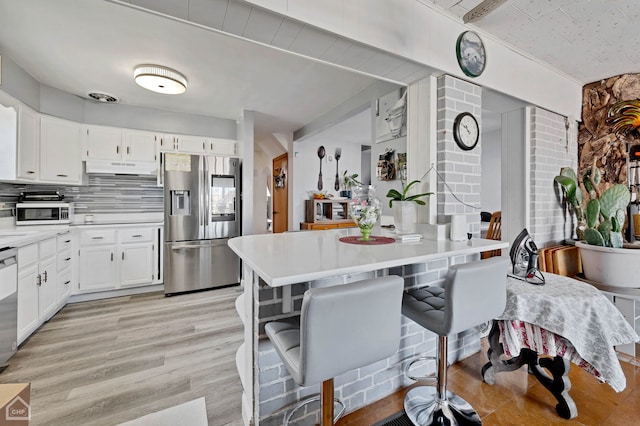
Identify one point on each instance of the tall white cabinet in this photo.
(28, 143)
(60, 159)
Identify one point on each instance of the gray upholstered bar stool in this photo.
(341, 328)
(473, 293)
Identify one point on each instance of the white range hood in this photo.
(122, 167)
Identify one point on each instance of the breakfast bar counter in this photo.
(294, 257)
(279, 268)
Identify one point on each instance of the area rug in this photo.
(192, 413)
(397, 419)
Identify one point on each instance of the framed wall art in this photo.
(391, 115)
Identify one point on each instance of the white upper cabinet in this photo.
(110, 143)
(28, 141)
(141, 146)
(8, 137)
(223, 146)
(60, 159)
(104, 143)
(198, 145)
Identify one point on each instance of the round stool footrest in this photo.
(309, 400)
(416, 360)
(424, 406)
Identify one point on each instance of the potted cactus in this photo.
(604, 260)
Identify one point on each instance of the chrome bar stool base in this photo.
(424, 407)
(316, 398)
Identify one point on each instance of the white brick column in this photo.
(553, 146)
(459, 169)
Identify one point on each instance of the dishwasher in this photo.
(8, 305)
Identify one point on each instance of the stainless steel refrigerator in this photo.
(201, 212)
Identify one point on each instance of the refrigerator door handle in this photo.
(217, 242)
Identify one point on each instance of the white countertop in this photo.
(294, 257)
(18, 237)
(12, 235)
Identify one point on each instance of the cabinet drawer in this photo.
(27, 255)
(64, 242)
(64, 259)
(135, 235)
(97, 236)
(64, 277)
(46, 248)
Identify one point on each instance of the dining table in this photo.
(547, 327)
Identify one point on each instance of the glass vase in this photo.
(365, 210)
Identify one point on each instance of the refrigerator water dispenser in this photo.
(180, 203)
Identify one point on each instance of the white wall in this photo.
(490, 181)
(261, 178)
(306, 167)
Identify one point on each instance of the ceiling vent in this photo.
(103, 97)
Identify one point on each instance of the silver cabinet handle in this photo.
(30, 172)
(117, 149)
(46, 276)
(137, 236)
(97, 238)
(67, 259)
(61, 175)
(122, 255)
(39, 280)
(68, 282)
(112, 256)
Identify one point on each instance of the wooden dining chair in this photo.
(494, 233)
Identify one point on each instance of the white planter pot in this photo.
(613, 267)
(404, 217)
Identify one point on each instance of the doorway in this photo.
(280, 195)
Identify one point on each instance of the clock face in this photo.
(471, 54)
(466, 131)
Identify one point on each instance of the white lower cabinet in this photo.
(37, 286)
(64, 265)
(116, 258)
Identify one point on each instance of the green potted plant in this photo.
(404, 210)
(348, 182)
(602, 221)
(604, 260)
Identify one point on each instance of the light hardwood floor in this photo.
(109, 361)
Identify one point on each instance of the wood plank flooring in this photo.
(518, 398)
(109, 361)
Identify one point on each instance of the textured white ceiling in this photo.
(586, 39)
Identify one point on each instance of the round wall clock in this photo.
(466, 131)
(471, 54)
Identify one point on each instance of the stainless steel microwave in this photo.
(43, 213)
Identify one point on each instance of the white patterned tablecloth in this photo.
(579, 313)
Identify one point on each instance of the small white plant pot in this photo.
(404, 217)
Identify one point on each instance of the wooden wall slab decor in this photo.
(596, 139)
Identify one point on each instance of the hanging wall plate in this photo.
(466, 131)
(471, 55)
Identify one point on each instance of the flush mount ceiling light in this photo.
(160, 79)
(481, 10)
